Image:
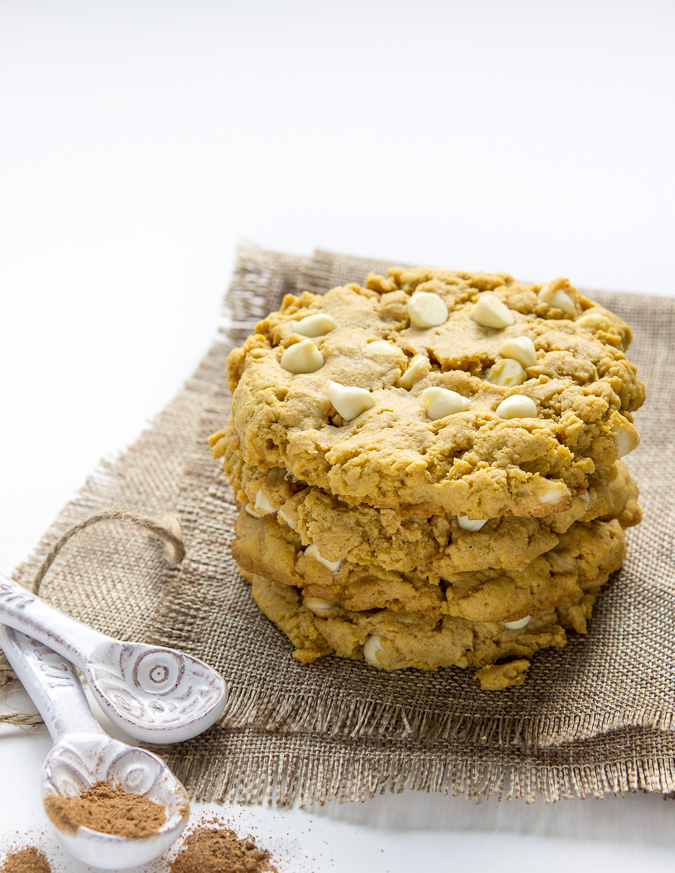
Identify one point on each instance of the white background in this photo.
(139, 141)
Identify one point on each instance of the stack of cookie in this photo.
(428, 468)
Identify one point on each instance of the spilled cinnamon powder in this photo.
(107, 810)
(28, 860)
(212, 848)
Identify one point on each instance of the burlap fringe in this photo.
(289, 779)
(333, 716)
(258, 272)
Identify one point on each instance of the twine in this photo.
(168, 529)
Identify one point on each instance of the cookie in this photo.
(364, 535)
(396, 640)
(434, 392)
(585, 553)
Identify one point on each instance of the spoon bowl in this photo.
(79, 761)
(157, 695)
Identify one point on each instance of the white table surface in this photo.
(140, 141)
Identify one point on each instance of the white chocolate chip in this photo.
(427, 309)
(517, 406)
(518, 624)
(349, 401)
(370, 649)
(472, 524)
(625, 442)
(262, 504)
(302, 357)
(313, 552)
(251, 511)
(625, 437)
(317, 324)
(318, 606)
(382, 347)
(440, 402)
(562, 562)
(551, 492)
(594, 321)
(414, 371)
(521, 349)
(556, 298)
(585, 497)
(507, 373)
(287, 518)
(622, 443)
(491, 312)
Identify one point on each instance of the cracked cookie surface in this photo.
(397, 452)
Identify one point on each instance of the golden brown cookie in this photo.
(434, 392)
(584, 554)
(396, 640)
(365, 535)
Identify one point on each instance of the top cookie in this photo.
(433, 392)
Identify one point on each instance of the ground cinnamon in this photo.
(212, 848)
(107, 810)
(28, 860)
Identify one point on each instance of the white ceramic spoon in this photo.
(84, 754)
(155, 694)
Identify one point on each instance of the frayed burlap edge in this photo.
(268, 768)
(332, 716)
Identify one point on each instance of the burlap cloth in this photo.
(595, 717)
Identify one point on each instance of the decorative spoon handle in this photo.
(32, 616)
(52, 684)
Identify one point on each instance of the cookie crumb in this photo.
(496, 677)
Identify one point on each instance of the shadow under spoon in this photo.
(84, 754)
(155, 694)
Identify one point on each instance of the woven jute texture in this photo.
(595, 717)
